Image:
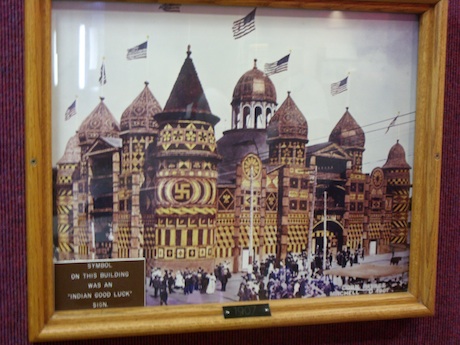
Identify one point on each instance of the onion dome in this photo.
(396, 158)
(72, 152)
(288, 122)
(139, 115)
(187, 100)
(99, 123)
(347, 132)
(254, 85)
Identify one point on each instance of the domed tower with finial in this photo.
(254, 100)
(349, 135)
(138, 131)
(397, 174)
(95, 186)
(287, 135)
(185, 177)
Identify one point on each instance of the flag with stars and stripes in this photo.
(71, 110)
(278, 66)
(243, 26)
(137, 52)
(339, 87)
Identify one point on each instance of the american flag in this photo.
(278, 66)
(137, 52)
(71, 110)
(339, 87)
(170, 7)
(102, 78)
(243, 26)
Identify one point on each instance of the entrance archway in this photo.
(334, 234)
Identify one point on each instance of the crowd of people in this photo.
(287, 279)
(187, 281)
(294, 277)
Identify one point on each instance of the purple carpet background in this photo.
(442, 329)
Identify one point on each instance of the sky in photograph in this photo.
(377, 51)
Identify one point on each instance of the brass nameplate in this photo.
(247, 311)
(97, 284)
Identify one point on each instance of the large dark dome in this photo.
(254, 85)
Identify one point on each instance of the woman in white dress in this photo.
(180, 281)
(212, 283)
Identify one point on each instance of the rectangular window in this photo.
(167, 238)
(353, 187)
(189, 237)
(178, 237)
(200, 237)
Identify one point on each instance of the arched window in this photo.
(236, 118)
(268, 116)
(259, 121)
(247, 117)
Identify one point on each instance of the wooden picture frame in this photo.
(46, 324)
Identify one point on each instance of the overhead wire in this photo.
(265, 153)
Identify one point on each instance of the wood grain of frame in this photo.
(45, 324)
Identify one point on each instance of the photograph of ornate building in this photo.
(258, 162)
(159, 185)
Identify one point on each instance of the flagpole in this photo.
(324, 234)
(146, 57)
(93, 240)
(290, 79)
(251, 219)
(102, 77)
(312, 215)
(348, 88)
(76, 99)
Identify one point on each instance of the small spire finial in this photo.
(146, 83)
(346, 108)
(102, 98)
(188, 51)
(255, 63)
(289, 93)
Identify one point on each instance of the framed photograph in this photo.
(203, 166)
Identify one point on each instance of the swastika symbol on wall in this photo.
(182, 191)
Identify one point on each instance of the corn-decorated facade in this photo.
(161, 186)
